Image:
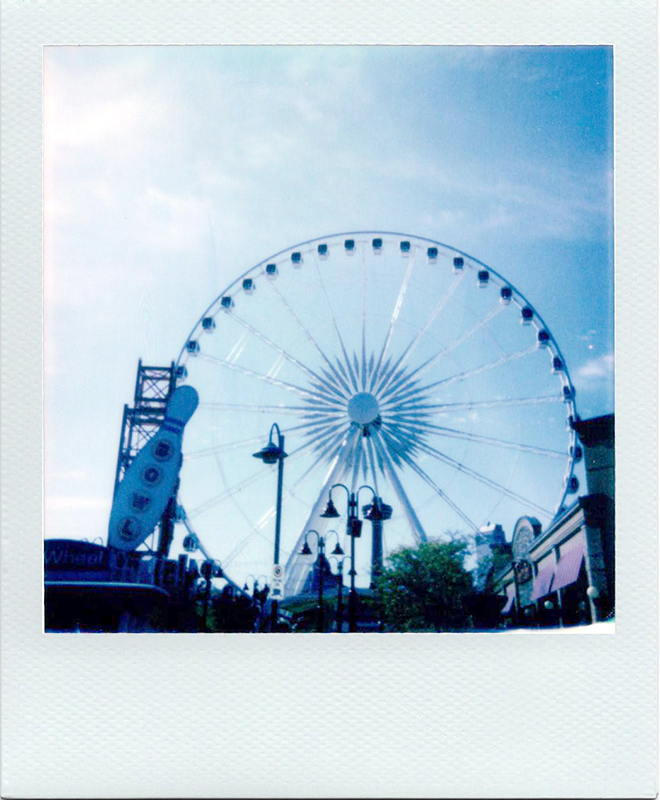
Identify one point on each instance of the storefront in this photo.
(92, 588)
(564, 575)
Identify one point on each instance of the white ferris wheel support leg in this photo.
(292, 582)
(413, 519)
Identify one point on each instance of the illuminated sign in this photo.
(149, 481)
(71, 555)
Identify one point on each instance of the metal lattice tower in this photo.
(153, 388)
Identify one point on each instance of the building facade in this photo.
(92, 588)
(565, 575)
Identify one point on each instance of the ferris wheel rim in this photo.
(321, 239)
(471, 262)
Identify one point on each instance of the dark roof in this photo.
(598, 430)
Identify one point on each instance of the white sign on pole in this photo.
(278, 582)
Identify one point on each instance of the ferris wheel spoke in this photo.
(386, 378)
(490, 440)
(320, 429)
(223, 448)
(318, 422)
(390, 469)
(325, 446)
(430, 482)
(290, 387)
(332, 313)
(372, 463)
(323, 428)
(365, 465)
(352, 374)
(240, 408)
(426, 365)
(339, 378)
(296, 570)
(232, 490)
(255, 440)
(306, 331)
(427, 410)
(325, 406)
(364, 320)
(482, 478)
(227, 493)
(395, 313)
(357, 452)
(422, 392)
(400, 438)
(257, 530)
(347, 372)
(268, 516)
(286, 355)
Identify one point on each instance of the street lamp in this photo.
(340, 586)
(306, 551)
(207, 574)
(274, 454)
(246, 588)
(261, 595)
(353, 529)
(376, 512)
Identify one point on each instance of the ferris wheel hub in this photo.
(363, 408)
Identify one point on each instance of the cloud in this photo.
(70, 475)
(598, 369)
(72, 503)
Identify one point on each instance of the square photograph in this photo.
(329, 339)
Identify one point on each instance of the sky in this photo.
(171, 171)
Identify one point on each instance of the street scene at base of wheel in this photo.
(255, 425)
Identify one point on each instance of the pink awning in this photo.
(510, 596)
(568, 567)
(542, 582)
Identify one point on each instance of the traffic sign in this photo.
(277, 589)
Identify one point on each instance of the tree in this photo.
(426, 588)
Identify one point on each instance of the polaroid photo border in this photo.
(409, 715)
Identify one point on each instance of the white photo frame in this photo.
(398, 716)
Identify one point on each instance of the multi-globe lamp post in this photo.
(340, 585)
(320, 561)
(255, 583)
(274, 454)
(353, 529)
(376, 513)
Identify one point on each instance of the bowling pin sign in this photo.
(148, 483)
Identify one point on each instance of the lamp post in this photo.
(376, 512)
(274, 454)
(353, 529)
(306, 551)
(246, 587)
(207, 573)
(340, 586)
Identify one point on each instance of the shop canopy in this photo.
(510, 596)
(542, 582)
(568, 567)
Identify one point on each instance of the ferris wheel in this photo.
(385, 359)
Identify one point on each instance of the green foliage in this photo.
(426, 588)
(226, 613)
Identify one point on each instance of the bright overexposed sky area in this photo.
(170, 171)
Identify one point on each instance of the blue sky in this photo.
(169, 171)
